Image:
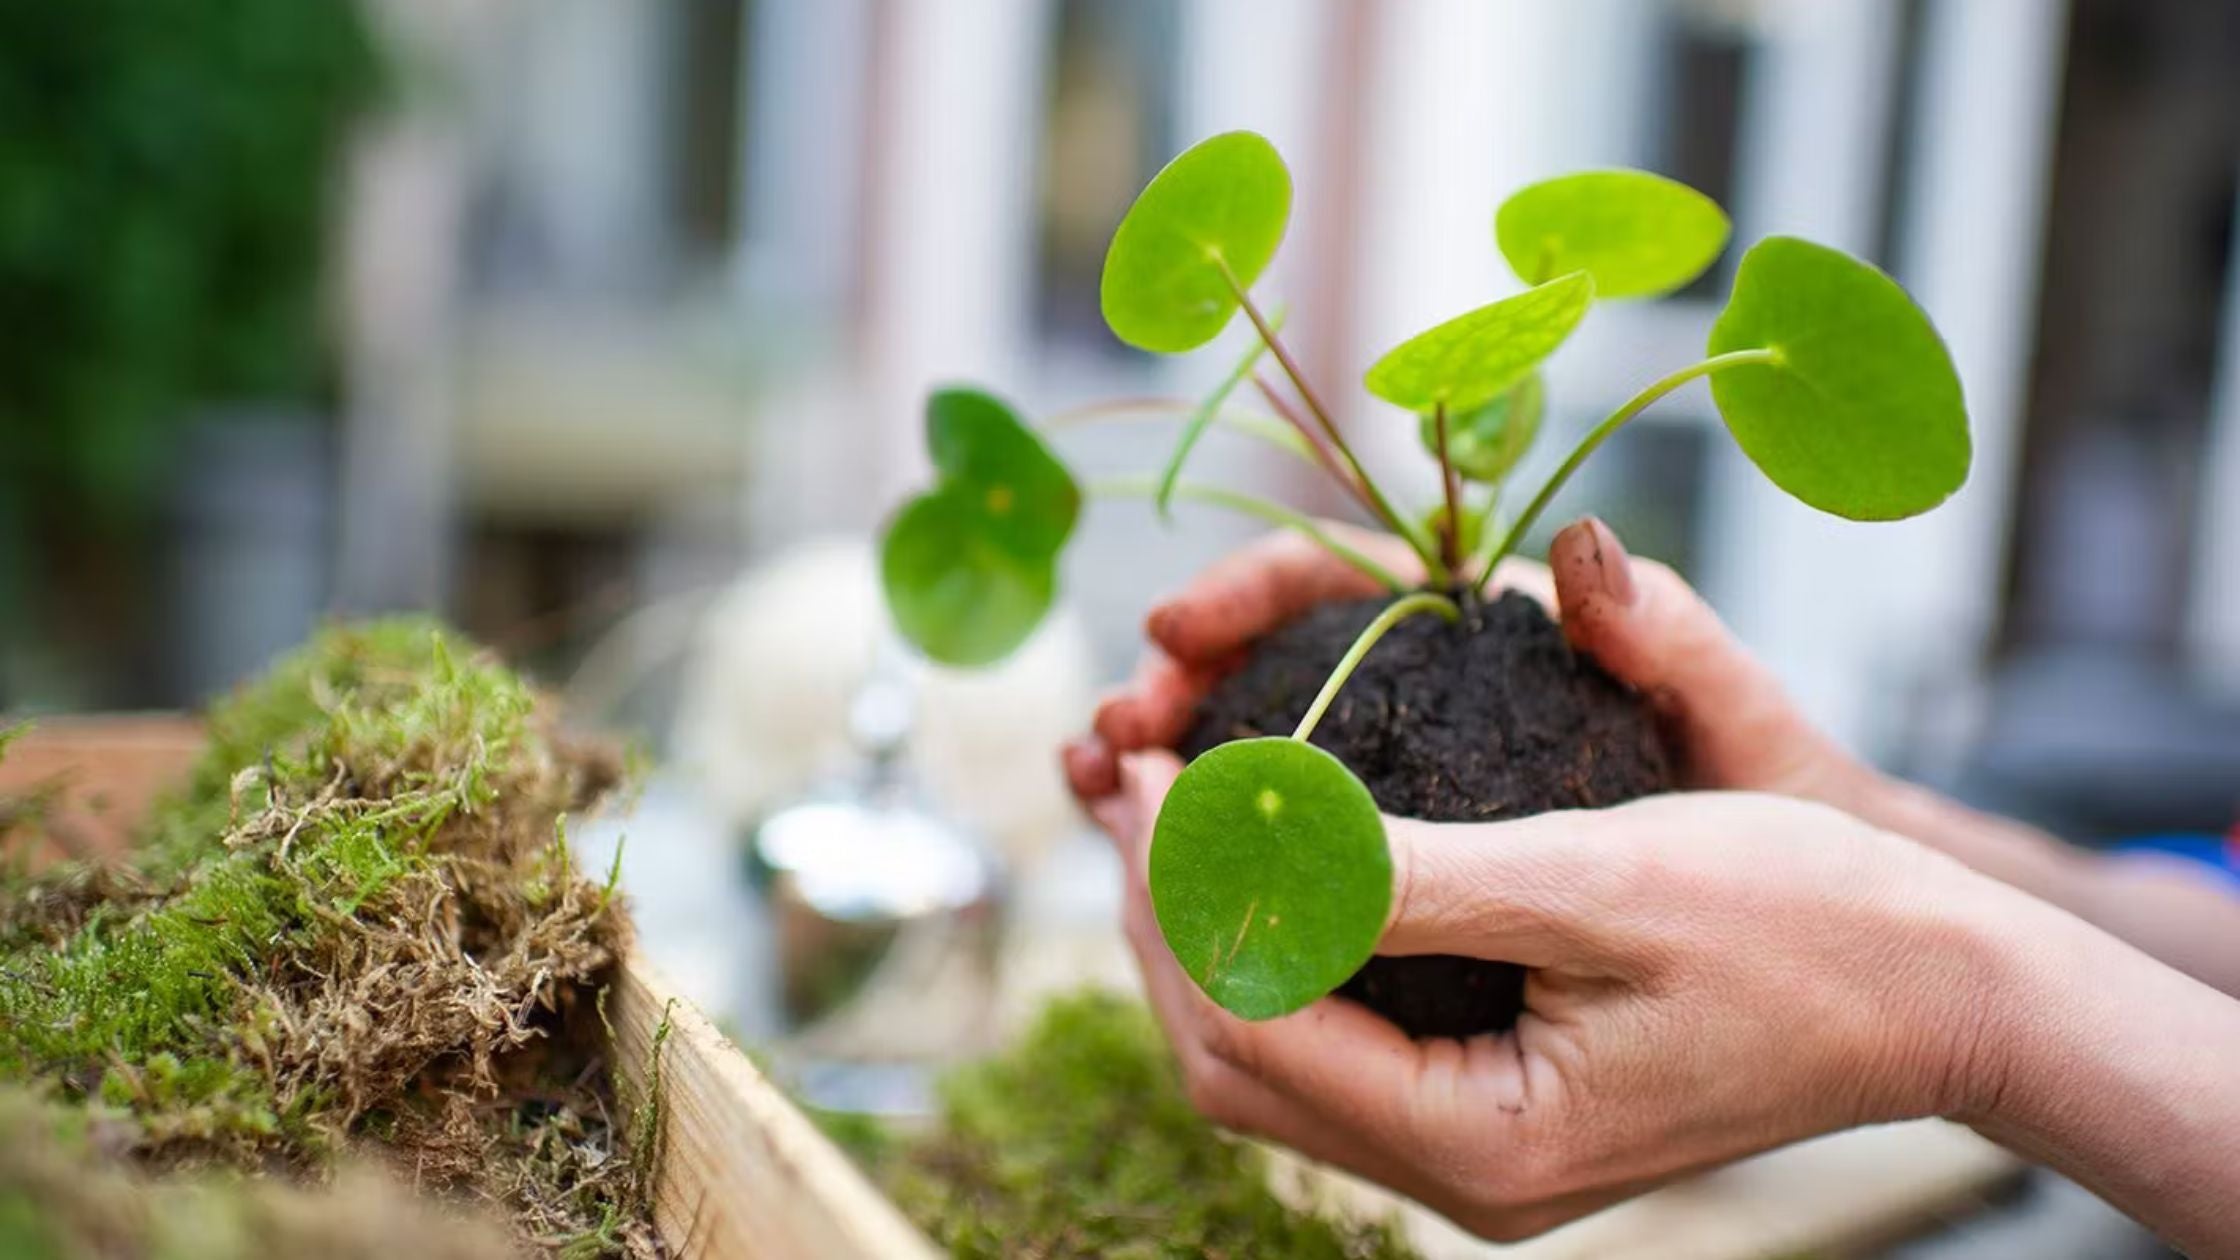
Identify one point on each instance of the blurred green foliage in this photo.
(167, 169)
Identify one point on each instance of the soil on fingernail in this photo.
(1495, 718)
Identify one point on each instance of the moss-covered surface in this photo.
(62, 1197)
(1079, 1141)
(357, 932)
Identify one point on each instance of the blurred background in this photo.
(544, 314)
(599, 327)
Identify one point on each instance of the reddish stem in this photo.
(1450, 532)
(1323, 455)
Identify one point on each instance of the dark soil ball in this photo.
(1493, 718)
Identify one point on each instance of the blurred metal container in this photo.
(884, 916)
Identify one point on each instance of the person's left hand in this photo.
(1713, 975)
(1726, 717)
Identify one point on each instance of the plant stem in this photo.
(1200, 418)
(1269, 429)
(1377, 501)
(1273, 513)
(1596, 436)
(1450, 538)
(1324, 457)
(1116, 409)
(1396, 612)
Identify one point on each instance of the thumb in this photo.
(1128, 814)
(1545, 891)
(1641, 622)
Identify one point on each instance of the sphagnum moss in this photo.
(1079, 1142)
(63, 1198)
(357, 926)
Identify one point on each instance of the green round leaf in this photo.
(1637, 234)
(1030, 499)
(1269, 875)
(1861, 413)
(1224, 201)
(1486, 443)
(955, 590)
(970, 567)
(1472, 359)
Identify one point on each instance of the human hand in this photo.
(1713, 975)
(1730, 723)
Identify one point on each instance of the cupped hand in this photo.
(1729, 720)
(1713, 974)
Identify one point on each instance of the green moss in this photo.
(319, 790)
(357, 921)
(61, 1199)
(1080, 1142)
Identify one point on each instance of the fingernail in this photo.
(1613, 570)
(1159, 623)
(1114, 722)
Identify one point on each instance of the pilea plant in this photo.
(1269, 870)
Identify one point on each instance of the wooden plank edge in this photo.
(742, 1173)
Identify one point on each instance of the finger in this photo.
(1546, 891)
(1129, 814)
(1091, 769)
(1641, 622)
(1241, 1104)
(1528, 576)
(1265, 584)
(1367, 1079)
(1155, 709)
(1438, 1119)
(1218, 1090)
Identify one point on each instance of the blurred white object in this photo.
(886, 913)
(780, 657)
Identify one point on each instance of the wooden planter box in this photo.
(742, 1172)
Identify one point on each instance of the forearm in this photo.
(2165, 910)
(2116, 1071)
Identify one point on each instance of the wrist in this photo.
(2075, 1021)
(1951, 1011)
(2008, 852)
(2113, 1070)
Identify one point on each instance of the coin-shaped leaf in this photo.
(1222, 204)
(970, 566)
(1486, 443)
(1269, 874)
(1031, 501)
(1472, 359)
(1637, 234)
(956, 592)
(1860, 413)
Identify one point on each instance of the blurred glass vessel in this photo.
(884, 916)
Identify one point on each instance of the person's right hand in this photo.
(1729, 720)
(1712, 974)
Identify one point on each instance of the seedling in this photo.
(1269, 868)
